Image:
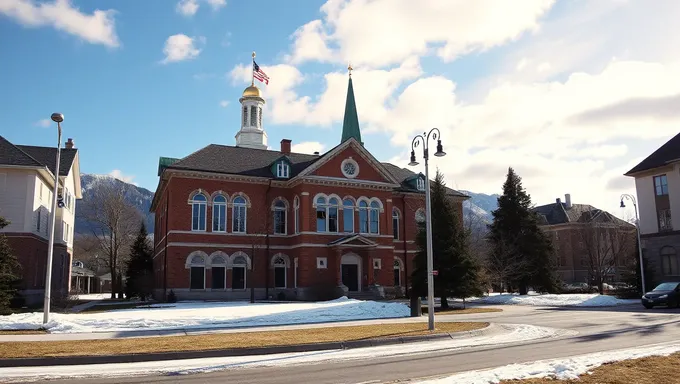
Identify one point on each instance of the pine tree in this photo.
(140, 267)
(9, 270)
(522, 254)
(457, 269)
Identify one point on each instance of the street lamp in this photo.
(57, 118)
(637, 226)
(434, 134)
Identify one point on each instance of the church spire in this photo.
(350, 124)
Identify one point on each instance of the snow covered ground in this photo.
(511, 333)
(565, 300)
(569, 368)
(188, 315)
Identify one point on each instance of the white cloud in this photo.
(190, 7)
(308, 147)
(187, 7)
(95, 28)
(181, 47)
(43, 123)
(118, 174)
(382, 32)
(224, 103)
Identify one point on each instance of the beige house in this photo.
(26, 185)
(657, 183)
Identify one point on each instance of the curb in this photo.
(182, 355)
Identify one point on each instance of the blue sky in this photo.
(509, 84)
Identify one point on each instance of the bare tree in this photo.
(114, 222)
(605, 244)
(504, 263)
(477, 230)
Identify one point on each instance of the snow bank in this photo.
(187, 315)
(566, 300)
(562, 369)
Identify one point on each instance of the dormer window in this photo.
(420, 183)
(282, 170)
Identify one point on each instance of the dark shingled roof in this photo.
(241, 161)
(662, 156)
(257, 162)
(32, 156)
(558, 213)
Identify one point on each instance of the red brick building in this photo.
(231, 220)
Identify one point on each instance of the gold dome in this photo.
(252, 91)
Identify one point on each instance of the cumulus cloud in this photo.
(181, 47)
(382, 32)
(95, 28)
(190, 7)
(308, 147)
(118, 174)
(224, 103)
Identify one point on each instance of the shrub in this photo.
(324, 292)
(172, 298)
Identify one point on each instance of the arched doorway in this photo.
(351, 272)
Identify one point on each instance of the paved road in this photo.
(598, 330)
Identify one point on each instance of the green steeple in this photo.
(350, 124)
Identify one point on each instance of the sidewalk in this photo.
(198, 331)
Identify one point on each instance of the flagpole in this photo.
(252, 71)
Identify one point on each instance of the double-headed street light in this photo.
(434, 134)
(57, 118)
(637, 226)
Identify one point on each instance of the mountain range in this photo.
(476, 211)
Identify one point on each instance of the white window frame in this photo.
(276, 209)
(283, 265)
(282, 169)
(193, 202)
(296, 209)
(235, 206)
(395, 229)
(348, 208)
(245, 273)
(420, 183)
(191, 264)
(215, 209)
(321, 263)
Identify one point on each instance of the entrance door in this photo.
(350, 277)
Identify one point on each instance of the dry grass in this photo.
(461, 311)
(112, 307)
(215, 341)
(23, 332)
(648, 370)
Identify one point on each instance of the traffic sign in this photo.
(435, 272)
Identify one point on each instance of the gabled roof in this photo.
(32, 156)
(357, 240)
(558, 213)
(667, 153)
(240, 161)
(404, 175)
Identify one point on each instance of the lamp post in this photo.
(434, 134)
(57, 118)
(637, 226)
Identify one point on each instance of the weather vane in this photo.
(349, 68)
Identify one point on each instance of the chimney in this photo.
(558, 201)
(285, 146)
(69, 143)
(316, 153)
(567, 199)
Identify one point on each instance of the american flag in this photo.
(259, 74)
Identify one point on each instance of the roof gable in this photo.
(559, 213)
(407, 181)
(10, 154)
(330, 164)
(667, 153)
(33, 156)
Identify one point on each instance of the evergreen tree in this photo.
(522, 252)
(9, 270)
(457, 269)
(140, 267)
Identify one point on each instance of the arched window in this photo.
(375, 217)
(196, 264)
(395, 223)
(238, 271)
(333, 206)
(296, 208)
(321, 214)
(280, 269)
(219, 214)
(421, 184)
(280, 217)
(198, 209)
(420, 216)
(363, 216)
(239, 215)
(669, 261)
(348, 216)
(397, 273)
(253, 116)
(218, 267)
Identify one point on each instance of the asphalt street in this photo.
(599, 329)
